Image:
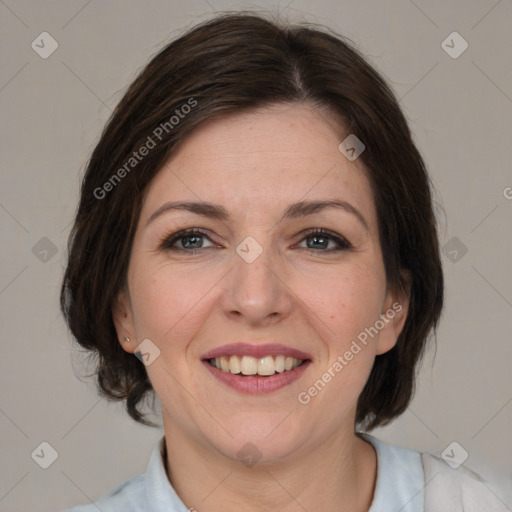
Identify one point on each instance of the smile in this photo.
(247, 365)
(256, 368)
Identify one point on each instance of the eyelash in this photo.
(168, 242)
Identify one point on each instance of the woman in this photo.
(255, 243)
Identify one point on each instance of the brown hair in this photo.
(232, 63)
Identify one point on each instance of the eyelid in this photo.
(169, 240)
(342, 242)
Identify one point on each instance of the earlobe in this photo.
(393, 316)
(123, 321)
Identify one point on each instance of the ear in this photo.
(393, 314)
(122, 316)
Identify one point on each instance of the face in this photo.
(262, 280)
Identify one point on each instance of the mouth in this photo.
(266, 366)
(256, 369)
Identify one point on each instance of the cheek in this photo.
(342, 306)
(346, 300)
(169, 304)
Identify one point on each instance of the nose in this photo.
(257, 292)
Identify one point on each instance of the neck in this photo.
(338, 475)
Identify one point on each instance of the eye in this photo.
(188, 240)
(318, 238)
(192, 240)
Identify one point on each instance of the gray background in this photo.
(52, 111)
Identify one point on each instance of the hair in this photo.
(230, 64)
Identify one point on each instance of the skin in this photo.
(298, 292)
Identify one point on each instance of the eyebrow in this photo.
(293, 211)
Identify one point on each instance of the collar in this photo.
(399, 485)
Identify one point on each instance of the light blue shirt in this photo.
(399, 486)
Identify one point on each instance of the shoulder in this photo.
(448, 489)
(421, 482)
(128, 497)
(400, 478)
(148, 492)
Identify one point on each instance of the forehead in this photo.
(260, 161)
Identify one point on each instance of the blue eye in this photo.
(320, 239)
(192, 240)
(189, 239)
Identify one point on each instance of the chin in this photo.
(260, 438)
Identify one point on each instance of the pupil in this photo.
(320, 239)
(186, 242)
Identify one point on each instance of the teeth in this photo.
(280, 364)
(224, 364)
(266, 366)
(247, 365)
(234, 364)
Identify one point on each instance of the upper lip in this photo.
(247, 349)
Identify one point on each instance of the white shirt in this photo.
(407, 481)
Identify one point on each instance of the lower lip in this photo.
(254, 385)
